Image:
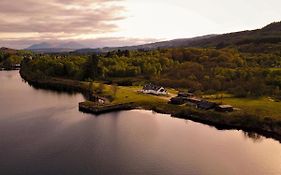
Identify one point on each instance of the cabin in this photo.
(224, 108)
(206, 105)
(185, 94)
(177, 101)
(154, 89)
(181, 98)
(193, 100)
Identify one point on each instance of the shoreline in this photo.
(222, 121)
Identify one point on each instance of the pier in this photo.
(93, 108)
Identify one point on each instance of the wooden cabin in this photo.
(177, 101)
(194, 100)
(206, 105)
(185, 94)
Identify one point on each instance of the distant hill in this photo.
(8, 50)
(266, 39)
(45, 47)
(270, 34)
(163, 44)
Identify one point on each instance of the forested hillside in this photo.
(266, 39)
(200, 70)
(246, 64)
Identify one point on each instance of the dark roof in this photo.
(206, 105)
(177, 100)
(193, 99)
(151, 87)
(185, 94)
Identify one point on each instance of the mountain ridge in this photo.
(268, 34)
(55, 47)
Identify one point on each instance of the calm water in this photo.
(42, 133)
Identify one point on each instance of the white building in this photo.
(154, 89)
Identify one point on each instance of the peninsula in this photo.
(239, 71)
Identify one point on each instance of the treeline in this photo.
(9, 57)
(42, 66)
(199, 70)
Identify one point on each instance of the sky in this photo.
(99, 23)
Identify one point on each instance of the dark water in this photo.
(42, 133)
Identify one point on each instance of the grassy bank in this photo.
(263, 106)
(258, 115)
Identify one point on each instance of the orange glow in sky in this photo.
(29, 21)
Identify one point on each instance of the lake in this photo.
(43, 133)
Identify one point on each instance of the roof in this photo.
(193, 99)
(151, 87)
(185, 94)
(225, 106)
(206, 105)
(177, 100)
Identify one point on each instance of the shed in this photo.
(206, 105)
(193, 100)
(177, 101)
(224, 108)
(185, 94)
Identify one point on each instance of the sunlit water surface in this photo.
(43, 133)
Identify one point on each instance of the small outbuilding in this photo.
(206, 105)
(224, 108)
(177, 101)
(185, 94)
(193, 100)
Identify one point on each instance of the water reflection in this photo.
(43, 132)
(254, 136)
(58, 90)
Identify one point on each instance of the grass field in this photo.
(263, 107)
(125, 94)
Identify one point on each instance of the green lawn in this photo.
(130, 94)
(263, 107)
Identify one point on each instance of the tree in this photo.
(91, 67)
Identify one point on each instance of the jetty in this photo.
(94, 108)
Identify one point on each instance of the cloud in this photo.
(60, 17)
(89, 22)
